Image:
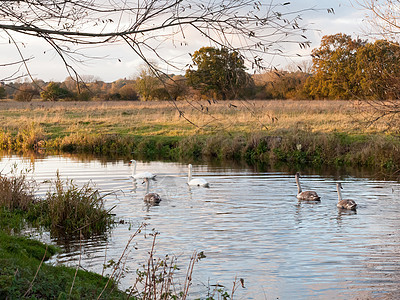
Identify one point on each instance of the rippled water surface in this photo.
(249, 225)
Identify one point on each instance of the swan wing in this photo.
(143, 175)
(308, 196)
(152, 198)
(199, 182)
(347, 204)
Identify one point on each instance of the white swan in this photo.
(151, 198)
(142, 175)
(344, 203)
(196, 181)
(306, 195)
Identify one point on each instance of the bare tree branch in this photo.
(255, 28)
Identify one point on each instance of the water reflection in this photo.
(249, 224)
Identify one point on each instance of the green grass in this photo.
(67, 209)
(331, 133)
(23, 276)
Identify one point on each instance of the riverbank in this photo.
(314, 133)
(64, 211)
(25, 274)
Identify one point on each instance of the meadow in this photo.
(59, 119)
(285, 131)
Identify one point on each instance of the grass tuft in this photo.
(71, 210)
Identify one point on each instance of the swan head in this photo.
(297, 175)
(132, 161)
(339, 185)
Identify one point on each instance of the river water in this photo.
(249, 225)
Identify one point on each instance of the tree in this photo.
(281, 85)
(378, 70)
(176, 86)
(256, 28)
(3, 92)
(54, 92)
(128, 92)
(25, 93)
(147, 83)
(219, 73)
(334, 68)
(383, 18)
(383, 21)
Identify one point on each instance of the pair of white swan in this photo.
(313, 196)
(154, 198)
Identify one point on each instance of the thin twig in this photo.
(79, 263)
(37, 271)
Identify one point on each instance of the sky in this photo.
(119, 61)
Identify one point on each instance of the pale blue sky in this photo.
(120, 62)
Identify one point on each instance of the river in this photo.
(248, 223)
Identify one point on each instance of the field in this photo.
(301, 132)
(164, 118)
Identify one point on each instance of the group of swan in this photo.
(313, 196)
(154, 198)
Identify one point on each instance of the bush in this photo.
(25, 94)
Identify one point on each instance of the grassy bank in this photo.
(66, 208)
(291, 132)
(24, 274)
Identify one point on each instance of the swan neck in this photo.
(339, 192)
(147, 186)
(298, 184)
(134, 168)
(190, 173)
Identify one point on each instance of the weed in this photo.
(69, 209)
(15, 191)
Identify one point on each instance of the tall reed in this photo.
(16, 192)
(69, 209)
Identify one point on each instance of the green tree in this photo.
(334, 68)
(147, 83)
(219, 73)
(378, 70)
(54, 92)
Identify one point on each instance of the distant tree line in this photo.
(341, 68)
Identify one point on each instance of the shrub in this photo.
(25, 94)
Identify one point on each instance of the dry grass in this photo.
(162, 118)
